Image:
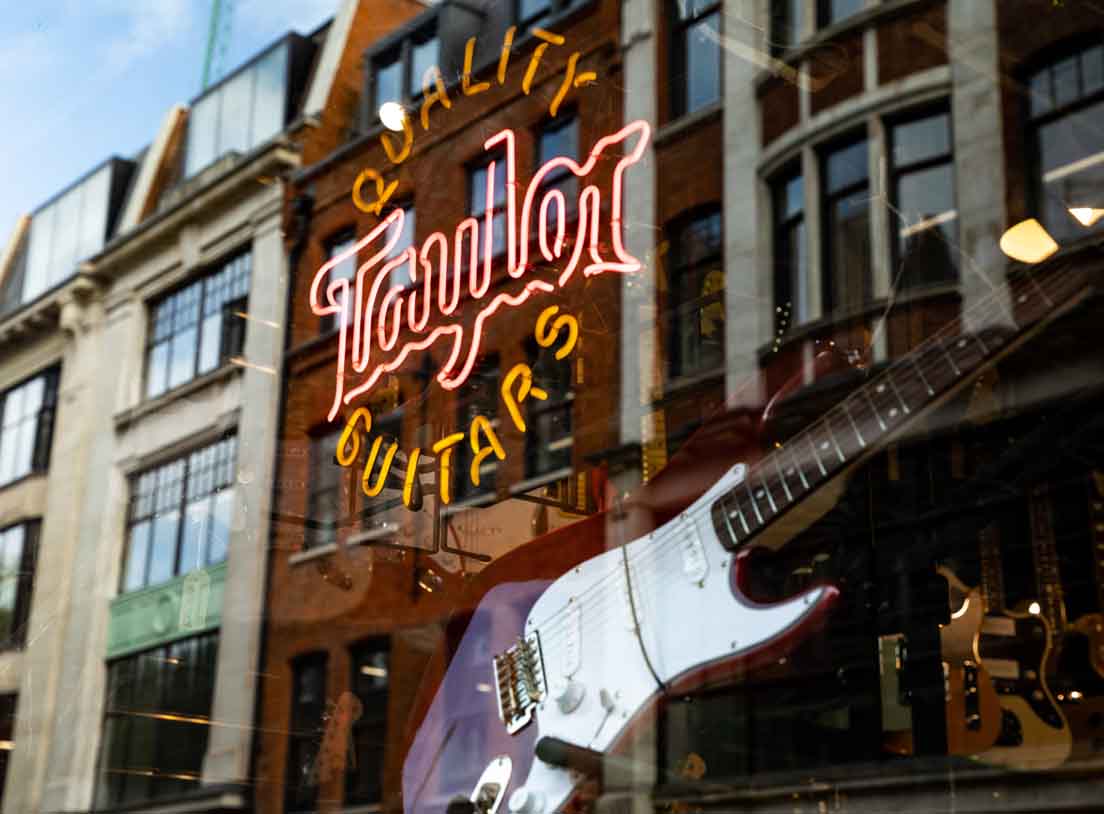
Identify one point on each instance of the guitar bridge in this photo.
(519, 682)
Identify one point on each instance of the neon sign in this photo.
(516, 387)
(372, 312)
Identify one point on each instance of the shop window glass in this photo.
(846, 218)
(370, 680)
(924, 216)
(18, 553)
(560, 138)
(549, 440)
(345, 270)
(308, 710)
(399, 74)
(387, 426)
(696, 283)
(477, 201)
(156, 722)
(328, 495)
(696, 78)
(199, 327)
(1067, 118)
(27, 426)
(180, 514)
(791, 254)
(830, 12)
(478, 396)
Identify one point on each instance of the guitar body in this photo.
(587, 669)
(973, 707)
(1034, 733)
(1073, 676)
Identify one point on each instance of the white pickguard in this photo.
(688, 617)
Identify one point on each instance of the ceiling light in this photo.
(1086, 215)
(1034, 609)
(1028, 242)
(392, 115)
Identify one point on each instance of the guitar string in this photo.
(550, 628)
(555, 630)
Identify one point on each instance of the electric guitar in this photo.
(1069, 666)
(1014, 646)
(1091, 626)
(564, 657)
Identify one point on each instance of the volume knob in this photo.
(569, 695)
(524, 801)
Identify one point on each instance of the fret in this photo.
(893, 386)
(782, 477)
(764, 486)
(816, 455)
(854, 426)
(968, 352)
(738, 514)
(754, 505)
(839, 428)
(797, 467)
(874, 407)
(950, 359)
(920, 373)
(981, 342)
(719, 507)
(864, 412)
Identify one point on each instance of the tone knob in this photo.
(569, 695)
(524, 801)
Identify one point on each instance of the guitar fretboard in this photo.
(992, 573)
(1044, 553)
(1096, 527)
(857, 425)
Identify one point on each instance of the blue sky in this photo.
(87, 79)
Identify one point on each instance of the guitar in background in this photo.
(1091, 625)
(1069, 667)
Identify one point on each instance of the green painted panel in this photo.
(182, 607)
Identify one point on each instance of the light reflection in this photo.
(1086, 215)
(1028, 242)
(1034, 609)
(392, 115)
(371, 670)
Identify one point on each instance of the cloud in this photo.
(280, 15)
(147, 27)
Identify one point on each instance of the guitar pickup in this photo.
(520, 683)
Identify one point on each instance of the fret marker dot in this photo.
(962, 343)
(824, 445)
(759, 494)
(892, 412)
(880, 388)
(1023, 298)
(790, 471)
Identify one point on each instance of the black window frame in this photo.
(331, 246)
(9, 711)
(305, 733)
(1046, 62)
(676, 307)
(382, 426)
(323, 443)
(783, 227)
(561, 399)
(678, 73)
(896, 172)
(16, 635)
(487, 372)
(827, 199)
(162, 717)
(825, 17)
(471, 169)
(403, 53)
(373, 719)
(135, 515)
(781, 19)
(231, 333)
(562, 177)
(44, 421)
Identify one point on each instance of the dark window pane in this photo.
(1071, 158)
(308, 704)
(833, 11)
(1064, 75)
(532, 12)
(389, 82)
(327, 498)
(846, 167)
(848, 225)
(370, 682)
(423, 56)
(786, 22)
(696, 285)
(921, 140)
(926, 226)
(703, 63)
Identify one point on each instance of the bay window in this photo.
(199, 327)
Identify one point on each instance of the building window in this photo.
(308, 710)
(8, 704)
(549, 440)
(18, 552)
(477, 199)
(830, 12)
(695, 290)
(328, 496)
(370, 681)
(847, 250)
(560, 137)
(478, 396)
(924, 218)
(696, 54)
(180, 515)
(399, 74)
(241, 113)
(156, 724)
(1066, 119)
(27, 426)
(344, 270)
(198, 328)
(786, 24)
(791, 255)
(401, 275)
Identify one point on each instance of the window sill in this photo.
(128, 416)
(312, 554)
(677, 127)
(537, 481)
(474, 502)
(680, 384)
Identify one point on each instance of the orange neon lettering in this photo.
(480, 424)
(504, 59)
(438, 95)
(372, 313)
(383, 192)
(444, 449)
(546, 338)
(398, 157)
(569, 75)
(411, 474)
(370, 489)
(350, 431)
(523, 372)
(465, 80)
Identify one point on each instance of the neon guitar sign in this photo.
(372, 313)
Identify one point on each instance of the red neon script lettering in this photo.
(371, 311)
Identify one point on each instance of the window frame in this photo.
(824, 150)
(480, 164)
(327, 324)
(825, 18)
(782, 228)
(154, 470)
(372, 507)
(676, 368)
(373, 644)
(225, 353)
(536, 408)
(316, 658)
(677, 73)
(567, 118)
(320, 438)
(44, 421)
(780, 16)
(896, 173)
(16, 637)
(403, 53)
(487, 368)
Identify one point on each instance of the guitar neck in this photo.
(992, 573)
(1044, 554)
(889, 401)
(1096, 529)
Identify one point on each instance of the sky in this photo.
(87, 79)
